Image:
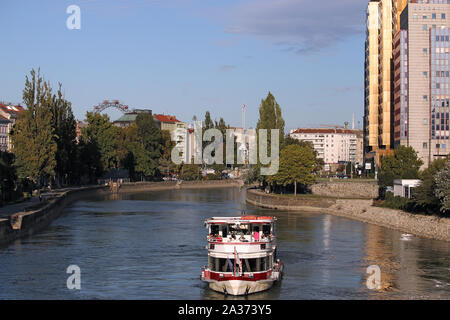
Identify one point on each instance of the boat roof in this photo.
(240, 219)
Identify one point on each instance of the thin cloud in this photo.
(226, 67)
(299, 26)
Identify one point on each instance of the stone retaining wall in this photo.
(346, 189)
(279, 202)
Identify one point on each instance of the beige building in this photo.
(381, 26)
(8, 117)
(421, 86)
(332, 145)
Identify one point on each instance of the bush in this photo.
(398, 203)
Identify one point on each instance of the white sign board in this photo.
(368, 166)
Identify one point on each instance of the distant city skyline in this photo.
(188, 57)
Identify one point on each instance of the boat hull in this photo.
(240, 287)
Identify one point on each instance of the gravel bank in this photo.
(431, 227)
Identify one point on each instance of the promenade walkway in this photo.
(10, 209)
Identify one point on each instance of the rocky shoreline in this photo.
(431, 227)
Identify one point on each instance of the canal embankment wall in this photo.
(431, 227)
(26, 223)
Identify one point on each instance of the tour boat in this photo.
(242, 254)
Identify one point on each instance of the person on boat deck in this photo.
(256, 233)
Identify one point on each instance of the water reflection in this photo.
(151, 246)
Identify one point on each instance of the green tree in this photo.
(442, 191)
(8, 177)
(270, 118)
(296, 167)
(166, 165)
(208, 123)
(424, 195)
(288, 140)
(147, 150)
(33, 136)
(190, 172)
(101, 133)
(63, 123)
(404, 164)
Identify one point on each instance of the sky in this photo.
(186, 57)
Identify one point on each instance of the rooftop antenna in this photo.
(243, 117)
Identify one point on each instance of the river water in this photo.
(152, 246)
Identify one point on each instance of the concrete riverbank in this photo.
(431, 227)
(15, 225)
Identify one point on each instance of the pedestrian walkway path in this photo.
(10, 209)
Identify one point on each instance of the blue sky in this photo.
(185, 57)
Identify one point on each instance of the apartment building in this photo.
(421, 83)
(8, 117)
(332, 145)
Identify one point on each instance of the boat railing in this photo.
(241, 239)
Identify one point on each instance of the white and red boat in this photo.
(242, 254)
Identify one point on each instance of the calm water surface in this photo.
(151, 246)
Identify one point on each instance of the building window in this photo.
(425, 74)
(425, 97)
(425, 121)
(424, 27)
(444, 146)
(425, 50)
(424, 16)
(425, 145)
(443, 16)
(433, 16)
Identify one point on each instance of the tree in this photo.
(288, 140)
(165, 164)
(404, 164)
(270, 118)
(147, 150)
(208, 123)
(33, 137)
(102, 134)
(8, 177)
(190, 172)
(63, 123)
(424, 194)
(442, 191)
(296, 167)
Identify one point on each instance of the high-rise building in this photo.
(381, 26)
(421, 83)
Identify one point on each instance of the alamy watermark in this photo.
(74, 280)
(74, 20)
(374, 280)
(213, 152)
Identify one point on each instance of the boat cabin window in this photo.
(224, 230)
(214, 229)
(248, 265)
(266, 229)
